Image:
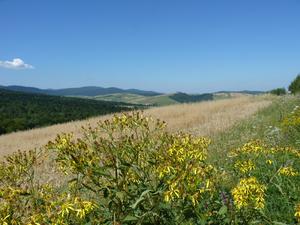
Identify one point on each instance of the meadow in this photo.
(231, 161)
(204, 118)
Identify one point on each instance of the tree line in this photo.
(294, 88)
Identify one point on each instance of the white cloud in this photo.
(16, 63)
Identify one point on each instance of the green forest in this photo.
(20, 111)
(185, 98)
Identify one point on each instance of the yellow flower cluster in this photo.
(269, 161)
(77, 206)
(288, 171)
(183, 168)
(63, 141)
(289, 150)
(245, 166)
(292, 120)
(249, 192)
(297, 212)
(256, 146)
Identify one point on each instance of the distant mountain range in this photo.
(80, 91)
(242, 92)
(132, 96)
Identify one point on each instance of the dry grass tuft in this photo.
(205, 118)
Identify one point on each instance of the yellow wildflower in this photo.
(245, 166)
(269, 161)
(297, 212)
(249, 192)
(288, 171)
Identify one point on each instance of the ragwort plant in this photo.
(135, 172)
(268, 182)
(23, 200)
(291, 126)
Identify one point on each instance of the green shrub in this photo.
(128, 170)
(294, 87)
(278, 91)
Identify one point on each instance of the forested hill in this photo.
(20, 111)
(80, 91)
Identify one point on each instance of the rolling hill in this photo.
(203, 118)
(131, 96)
(158, 100)
(80, 91)
(20, 111)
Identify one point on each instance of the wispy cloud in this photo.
(16, 64)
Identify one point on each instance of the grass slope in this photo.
(265, 125)
(201, 119)
(158, 100)
(262, 125)
(137, 99)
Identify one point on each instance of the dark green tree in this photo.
(278, 91)
(294, 87)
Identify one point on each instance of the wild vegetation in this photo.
(131, 170)
(294, 87)
(278, 91)
(200, 119)
(20, 111)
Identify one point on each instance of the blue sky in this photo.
(192, 46)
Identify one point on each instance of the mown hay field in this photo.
(205, 119)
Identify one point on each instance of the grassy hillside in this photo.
(137, 99)
(275, 131)
(159, 100)
(133, 96)
(203, 118)
(265, 125)
(20, 111)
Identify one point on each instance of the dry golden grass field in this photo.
(205, 119)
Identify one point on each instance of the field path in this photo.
(205, 119)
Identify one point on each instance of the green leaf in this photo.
(129, 218)
(120, 195)
(278, 223)
(140, 199)
(223, 210)
(279, 188)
